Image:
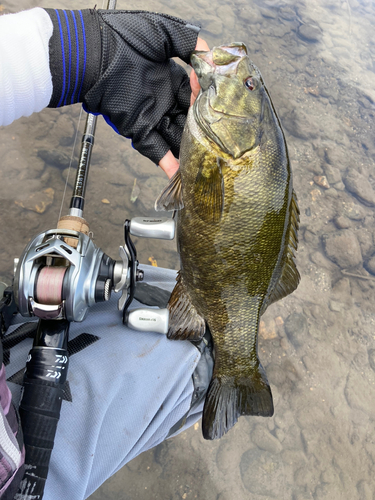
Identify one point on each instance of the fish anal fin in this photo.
(209, 192)
(185, 323)
(290, 277)
(171, 196)
(230, 397)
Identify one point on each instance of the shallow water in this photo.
(317, 345)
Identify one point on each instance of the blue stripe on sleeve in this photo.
(77, 62)
(63, 57)
(70, 55)
(84, 54)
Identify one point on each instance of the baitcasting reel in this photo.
(62, 273)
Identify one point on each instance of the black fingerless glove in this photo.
(118, 63)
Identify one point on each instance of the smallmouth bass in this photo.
(237, 229)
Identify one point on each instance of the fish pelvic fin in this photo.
(171, 196)
(230, 397)
(209, 192)
(185, 323)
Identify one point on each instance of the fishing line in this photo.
(70, 164)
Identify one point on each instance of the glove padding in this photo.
(118, 63)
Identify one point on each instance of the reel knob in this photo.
(148, 320)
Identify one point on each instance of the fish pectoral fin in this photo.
(290, 276)
(209, 193)
(171, 196)
(185, 323)
(230, 397)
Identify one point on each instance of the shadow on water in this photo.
(317, 345)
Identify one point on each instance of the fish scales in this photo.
(237, 231)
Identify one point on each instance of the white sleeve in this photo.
(25, 77)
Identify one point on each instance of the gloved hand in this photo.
(118, 63)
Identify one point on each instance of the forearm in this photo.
(25, 76)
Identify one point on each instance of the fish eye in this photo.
(249, 83)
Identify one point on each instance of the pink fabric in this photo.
(6, 485)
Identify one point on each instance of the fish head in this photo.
(231, 105)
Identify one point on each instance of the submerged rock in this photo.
(309, 33)
(342, 222)
(299, 124)
(360, 186)
(370, 265)
(354, 211)
(55, 158)
(38, 202)
(295, 327)
(262, 473)
(343, 248)
(360, 399)
(333, 174)
(265, 440)
(371, 358)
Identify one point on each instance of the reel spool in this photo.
(49, 285)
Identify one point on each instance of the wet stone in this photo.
(370, 265)
(360, 187)
(212, 24)
(64, 128)
(354, 212)
(287, 13)
(340, 186)
(295, 327)
(360, 399)
(71, 178)
(250, 15)
(280, 434)
(365, 491)
(341, 291)
(298, 124)
(303, 496)
(298, 50)
(276, 375)
(225, 13)
(371, 358)
(332, 193)
(268, 13)
(265, 440)
(333, 174)
(38, 202)
(262, 473)
(366, 242)
(343, 248)
(336, 306)
(329, 92)
(336, 157)
(55, 158)
(309, 33)
(342, 222)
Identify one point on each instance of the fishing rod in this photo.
(59, 276)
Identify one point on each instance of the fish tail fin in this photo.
(230, 397)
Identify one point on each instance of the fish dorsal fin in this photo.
(171, 196)
(185, 323)
(290, 276)
(209, 192)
